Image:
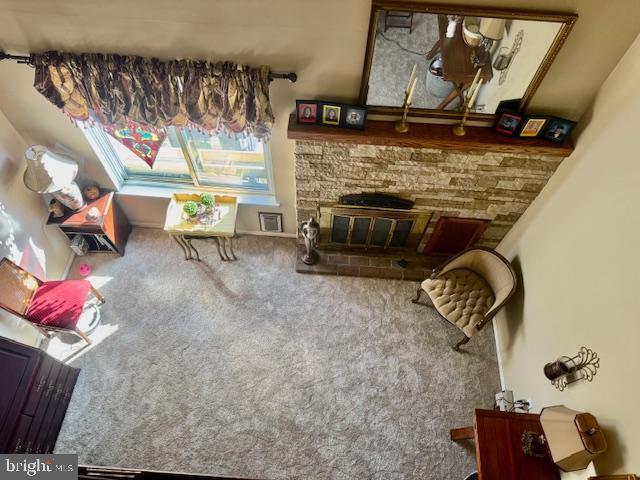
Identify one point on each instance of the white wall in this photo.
(322, 40)
(536, 41)
(24, 238)
(576, 250)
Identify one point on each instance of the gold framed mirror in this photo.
(506, 52)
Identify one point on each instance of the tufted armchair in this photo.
(470, 288)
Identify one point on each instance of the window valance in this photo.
(116, 90)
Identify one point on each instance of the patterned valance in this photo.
(117, 90)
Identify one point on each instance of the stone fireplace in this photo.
(491, 186)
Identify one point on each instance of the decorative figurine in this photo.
(91, 192)
(310, 231)
(56, 208)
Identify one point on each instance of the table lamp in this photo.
(492, 28)
(50, 172)
(574, 438)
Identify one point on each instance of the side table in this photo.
(221, 229)
(106, 233)
(498, 442)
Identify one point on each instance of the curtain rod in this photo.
(28, 60)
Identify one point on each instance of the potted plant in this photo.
(190, 208)
(208, 201)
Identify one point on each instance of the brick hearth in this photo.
(374, 265)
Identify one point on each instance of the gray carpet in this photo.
(394, 55)
(249, 368)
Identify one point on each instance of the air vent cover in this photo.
(270, 222)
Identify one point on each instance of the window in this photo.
(190, 157)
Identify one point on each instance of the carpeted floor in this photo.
(251, 369)
(395, 53)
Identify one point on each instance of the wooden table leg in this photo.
(97, 294)
(458, 91)
(434, 50)
(466, 433)
(449, 98)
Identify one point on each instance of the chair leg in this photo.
(457, 346)
(42, 330)
(83, 335)
(97, 294)
(417, 299)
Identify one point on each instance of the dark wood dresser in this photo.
(35, 390)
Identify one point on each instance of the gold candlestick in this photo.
(459, 129)
(402, 126)
(469, 100)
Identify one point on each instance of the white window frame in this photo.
(119, 175)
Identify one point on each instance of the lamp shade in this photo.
(574, 438)
(492, 28)
(47, 171)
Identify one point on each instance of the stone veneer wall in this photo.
(497, 187)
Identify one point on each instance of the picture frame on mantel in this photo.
(308, 111)
(459, 42)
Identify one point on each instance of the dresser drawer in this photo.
(18, 370)
(35, 390)
(19, 440)
(39, 386)
(61, 409)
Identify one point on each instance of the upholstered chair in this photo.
(49, 306)
(469, 289)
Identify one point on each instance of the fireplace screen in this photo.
(376, 228)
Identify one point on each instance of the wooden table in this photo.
(498, 442)
(221, 230)
(457, 62)
(106, 233)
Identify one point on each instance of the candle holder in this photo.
(469, 101)
(459, 129)
(566, 370)
(402, 126)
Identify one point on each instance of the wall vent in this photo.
(270, 222)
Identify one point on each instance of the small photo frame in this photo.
(558, 129)
(508, 123)
(532, 126)
(307, 111)
(331, 113)
(355, 116)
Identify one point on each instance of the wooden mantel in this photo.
(428, 135)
